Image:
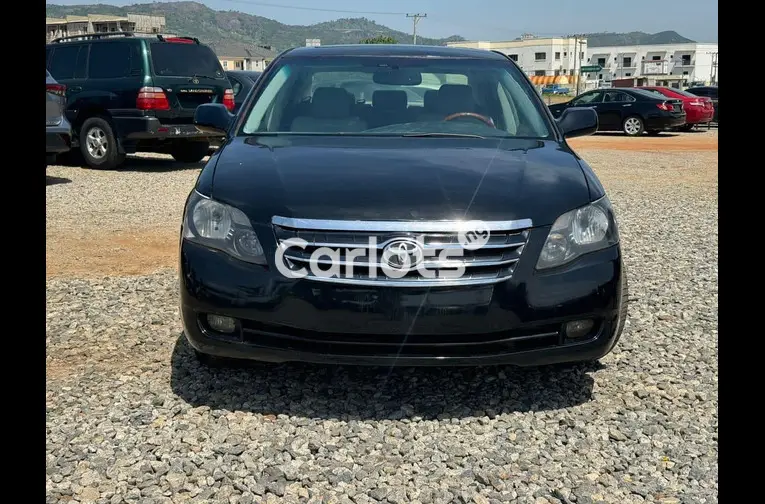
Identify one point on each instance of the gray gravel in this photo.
(132, 417)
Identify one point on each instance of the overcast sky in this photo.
(491, 19)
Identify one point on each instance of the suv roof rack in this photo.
(92, 36)
(190, 39)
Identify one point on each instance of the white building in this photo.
(674, 65)
(71, 26)
(545, 60)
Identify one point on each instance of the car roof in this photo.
(249, 73)
(393, 50)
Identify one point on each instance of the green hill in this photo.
(230, 28)
(634, 38)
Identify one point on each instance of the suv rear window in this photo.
(171, 58)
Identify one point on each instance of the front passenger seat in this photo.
(330, 113)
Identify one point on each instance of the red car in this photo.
(698, 109)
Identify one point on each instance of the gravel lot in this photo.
(132, 417)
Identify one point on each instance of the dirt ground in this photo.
(99, 236)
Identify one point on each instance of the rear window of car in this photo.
(173, 59)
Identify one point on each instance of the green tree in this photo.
(380, 39)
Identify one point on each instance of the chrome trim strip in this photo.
(427, 263)
(393, 226)
(429, 246)
(451, 282)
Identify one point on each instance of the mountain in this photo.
(231, 28)
(634, 38)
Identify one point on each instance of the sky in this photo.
(489, 19)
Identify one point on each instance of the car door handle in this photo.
(627, 105)
(75, 89)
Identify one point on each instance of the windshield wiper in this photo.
(443, 135)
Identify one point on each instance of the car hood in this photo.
(398, 178)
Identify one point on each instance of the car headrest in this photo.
(430, 100)
(390, 100)
(456, 98)
(330, 103)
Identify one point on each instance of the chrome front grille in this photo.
(494, 262)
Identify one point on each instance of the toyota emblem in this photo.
(402, 254)
(195, 81)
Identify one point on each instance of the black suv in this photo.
(127, 93)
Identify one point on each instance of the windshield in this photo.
(685, 93)
(397, 96)
(178, 59)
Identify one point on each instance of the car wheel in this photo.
(99, 145)
(633, 126)
(190, 152)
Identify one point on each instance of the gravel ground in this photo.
(132, 417)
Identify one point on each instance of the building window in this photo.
(581, 55)
(539, 73)
(685, 73)
(686, 59)
(513, 57)
(540, 56)
(557, 73)
(628, 74)
(225, 65)
(557, 56)
(655, 58)
(600, 76)
(601, 62)
(565, 54)
(627, 62)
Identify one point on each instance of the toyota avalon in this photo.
(399, 205)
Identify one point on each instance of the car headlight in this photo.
(221, 227)
(580, 231)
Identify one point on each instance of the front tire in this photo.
(190, 152)
(98, 144)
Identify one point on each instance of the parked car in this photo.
(389, 193)
(707, 92)
(58, 131)
(242, 82)
(698, 110)
(555, 89)
(630, 110)
(128, 94)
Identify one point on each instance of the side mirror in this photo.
(213, 118)
(578, 121)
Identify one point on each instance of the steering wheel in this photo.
(485, 119)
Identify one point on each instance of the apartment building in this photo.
(245, 58)
(554, 60)
(97, 23)
(674, 65)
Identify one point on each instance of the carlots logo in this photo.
(399, 256)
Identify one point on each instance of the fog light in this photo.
(579, 328)
(221, 324)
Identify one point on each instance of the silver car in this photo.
(58, 135)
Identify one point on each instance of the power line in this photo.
(415, 19)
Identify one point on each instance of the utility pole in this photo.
(415, 19)
(713, 69)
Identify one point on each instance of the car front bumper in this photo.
(519, 321)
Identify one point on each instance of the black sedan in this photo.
(375, 231)
(630, 110)
(242, 82)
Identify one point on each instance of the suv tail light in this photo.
(152, 98)
(56, 89)
(228, 99)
